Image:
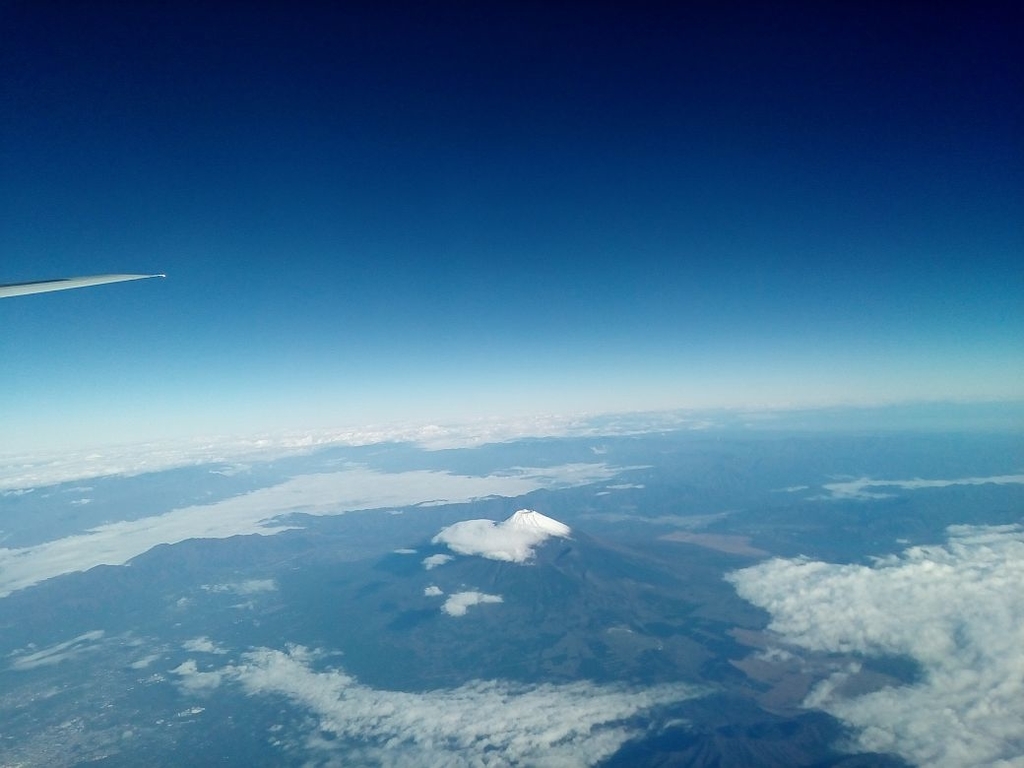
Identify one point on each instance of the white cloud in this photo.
(481, 723)
(857, 489)
(460, 602)
(202, 645)
(247, 587)
(145, 661)
(432, 561)
(192, 680)
(30, 658)
(404, 551)
(432, 591)
(330, 493)
(956, 609)
(774, 655)
(511, 540)
(489, 539)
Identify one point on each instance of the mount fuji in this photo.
(512, 540)
(568, 606)
(528, 519)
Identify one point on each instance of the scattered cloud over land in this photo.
(247, 587)
(202, 645)
(145, 661)
(30, 658)
(479, 723)
(17, 492)
(858, 489)
(192, 680)
(432, 561)
(956, 609)
(459, 603)
(259, 512)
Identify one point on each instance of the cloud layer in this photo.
(330, 493)
(956, 609)
(44, 468)
(481, 723)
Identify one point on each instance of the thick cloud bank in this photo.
(481, 723)
(958, 610)
(511, 540)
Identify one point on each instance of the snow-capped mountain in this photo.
(528, 519)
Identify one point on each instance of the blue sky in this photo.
(403, 211)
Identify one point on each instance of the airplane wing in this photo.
(43, 286)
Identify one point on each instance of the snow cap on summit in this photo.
(531, 520)
(512, 540)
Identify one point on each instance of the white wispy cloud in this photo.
(432, 591)
(17, 492)
(481, 723)
(257, 512)
(432, 561)
(858, 489)
(460, 602)
(145, 661)
(512, 540)
(957, 609)
(247, 587)
(202, 645)
(54, 654)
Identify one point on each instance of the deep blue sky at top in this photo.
(427, 210)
